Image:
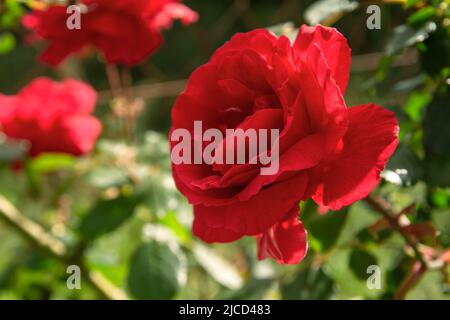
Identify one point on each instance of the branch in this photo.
(150, 91)
(364, 62)
(384, 209)
(31, 230)
(411, 279)
(420, 266)
(36, 234)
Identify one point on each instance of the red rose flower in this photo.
(327, 151)
(126, 32)
(53, 117)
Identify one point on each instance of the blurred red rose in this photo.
(125, 32)
(329, 152)
(53, 117)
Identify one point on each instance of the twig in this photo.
(384, 209)
(56, 248)
(31, 230)
(420, 265)
(150, 91)
(410, 281)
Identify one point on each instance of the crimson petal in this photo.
(285, 241)
(354, 169)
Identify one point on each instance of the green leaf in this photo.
(324, 228)
(7, 42)
(50, 162)
(154, 272)
(170, 220)
(327, 11)
(308, 284)
(405, 36)
(410, 3)
(440, 198)
(422, 16)
(404, 168)
(415, 104)
(12, 14)
(359, 261)
(106, 216)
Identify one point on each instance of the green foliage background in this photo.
(120, 218)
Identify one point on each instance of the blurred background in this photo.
(117, 214)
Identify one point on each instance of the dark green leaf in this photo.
(106, 216)
(154, 272)
(360, 260)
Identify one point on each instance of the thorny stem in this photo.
(420, 266)
(36, 234)
(417, 271)
(383, 208)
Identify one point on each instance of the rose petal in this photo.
(252, 217)
(285, 241)
(334, 47)
(81, 132)
(354, 169)
(260, 41)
